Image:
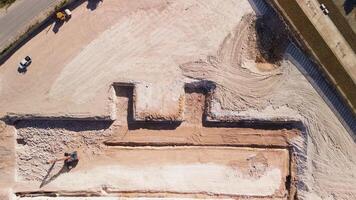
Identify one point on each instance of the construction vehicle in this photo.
(63, 15)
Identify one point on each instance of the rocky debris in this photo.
(257, 165)
(43, 140)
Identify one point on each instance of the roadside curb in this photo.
(34, 27)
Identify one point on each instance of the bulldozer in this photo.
(63, 15)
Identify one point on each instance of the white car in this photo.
(24, 63)
(326, 11)
(68, 12)
(322, 7)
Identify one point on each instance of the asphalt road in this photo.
(17, 18)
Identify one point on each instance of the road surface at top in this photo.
(17, 18)
(331, 36)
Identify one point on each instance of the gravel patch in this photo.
(41, 140)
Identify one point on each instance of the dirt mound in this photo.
(235, 63)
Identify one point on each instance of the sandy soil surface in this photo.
(161, 43)
(120, 198)
(226, 171)
(283, 91)
(150, 159)
(7, 154)
(114, 167)
(152, 102)
(137, 41)
(191, 131)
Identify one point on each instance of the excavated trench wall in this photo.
(36, 137)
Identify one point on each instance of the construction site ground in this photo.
(331, 50)
(134, 160)
(332, 35)
(115, 83)
(343, 15)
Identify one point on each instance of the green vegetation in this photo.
(320, 48)
(60, 5)
(6, 3)
(6, 48)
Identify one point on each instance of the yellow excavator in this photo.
(63, 15)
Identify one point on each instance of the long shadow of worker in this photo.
(57, 25)
(93, 4)
(64, 169)
(349, 5)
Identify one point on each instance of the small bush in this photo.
(60, 5)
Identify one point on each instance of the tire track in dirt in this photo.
(331, 150)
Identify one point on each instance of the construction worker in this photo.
(70, 159)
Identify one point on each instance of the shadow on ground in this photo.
(21, 70)
(47, 24)
(47, 179)
(71, 125)
(57, 25)
(349, 5)
(127, 92)
(93, 4)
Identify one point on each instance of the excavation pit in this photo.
(205, 171)
(129, 159)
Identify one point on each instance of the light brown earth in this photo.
(331, 35)
(150, 39)
(225, 171)
(144, 160)
(164, 44)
